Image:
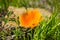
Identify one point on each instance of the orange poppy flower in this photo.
(30, 19)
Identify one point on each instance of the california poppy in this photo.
(30, 19)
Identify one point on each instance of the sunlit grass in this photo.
(47, 30)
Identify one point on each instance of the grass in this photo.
(47, 30)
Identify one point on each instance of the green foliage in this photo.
(46, 30)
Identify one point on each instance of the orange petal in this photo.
(30, 19)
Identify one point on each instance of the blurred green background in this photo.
(47, 29)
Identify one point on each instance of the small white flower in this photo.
(11, 8)
(45, 12)
(19, 11)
